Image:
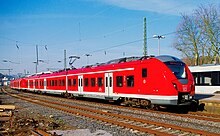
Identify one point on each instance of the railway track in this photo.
(141, 125)
(38, 132)
(193, 115)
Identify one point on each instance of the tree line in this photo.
(197, 36)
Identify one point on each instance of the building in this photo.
(207, 78)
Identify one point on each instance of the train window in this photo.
(207, 78)
(79, 82)
(100, 81)
(144, 72)
(219, 78)
(110, 82)
(215, 78)
(56, 82)
(130, 81)
(63, 83)
(106, 81)
(74, 82)
(92, 82)
(86, 82)
(60, 82)
(69, 82)
(119, 81)
(52, 83)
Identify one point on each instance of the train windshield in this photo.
(178, 69)
(175, 65)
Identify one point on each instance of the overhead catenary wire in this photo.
(21, 43)
(96, 14)
(130, 42)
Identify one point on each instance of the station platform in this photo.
(208, 97)
(211, 101)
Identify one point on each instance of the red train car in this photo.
(161, 80)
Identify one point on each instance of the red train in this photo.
(142, 81)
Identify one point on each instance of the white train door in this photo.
(80, 84)
(45, 84)
(108, 84)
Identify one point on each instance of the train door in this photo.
(80, 84)
(108, 84)
(45, 83)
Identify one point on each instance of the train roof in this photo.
(118, 60)
(205, 68)
(109, 64)
(167, 58)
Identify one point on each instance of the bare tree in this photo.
(197, 35)
(211, 30)
(188, 35)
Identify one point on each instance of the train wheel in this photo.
(146, 104)
(183, 109)
(194, 105)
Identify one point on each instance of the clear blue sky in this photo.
(85, 26)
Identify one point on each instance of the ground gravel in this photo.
(81, 125)
(93, 127)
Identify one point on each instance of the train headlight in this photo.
(175, 86)
(186, 97)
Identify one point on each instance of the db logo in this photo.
(144, 81)
(184, 88)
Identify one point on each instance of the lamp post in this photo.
(158, 37)
(11, 61)
(88, 55)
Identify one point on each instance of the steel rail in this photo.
(121, 116)
(126, 125)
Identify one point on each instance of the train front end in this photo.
(181, 78)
